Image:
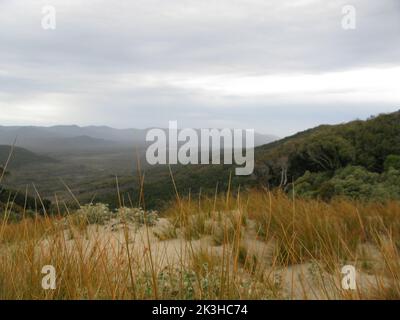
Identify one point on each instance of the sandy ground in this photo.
(302, 281)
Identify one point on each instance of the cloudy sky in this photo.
(277, 66)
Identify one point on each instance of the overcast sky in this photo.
(278, 66)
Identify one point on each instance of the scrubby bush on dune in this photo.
(101, 214)
(94, 214)
(138, 216)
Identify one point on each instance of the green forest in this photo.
(360, 159)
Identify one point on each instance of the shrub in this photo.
(392, 161)
(94, 214)
(137, 216)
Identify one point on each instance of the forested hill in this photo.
(346, 159)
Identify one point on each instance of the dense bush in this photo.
(352, 181)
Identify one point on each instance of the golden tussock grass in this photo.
(254, 245)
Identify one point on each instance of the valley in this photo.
(70, 164)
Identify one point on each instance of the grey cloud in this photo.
(98, 41)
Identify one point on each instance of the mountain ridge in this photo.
(47, 139)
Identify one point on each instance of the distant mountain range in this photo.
(75, 138)
(70, 138)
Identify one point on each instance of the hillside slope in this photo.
(368, 145)
(21, 157)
